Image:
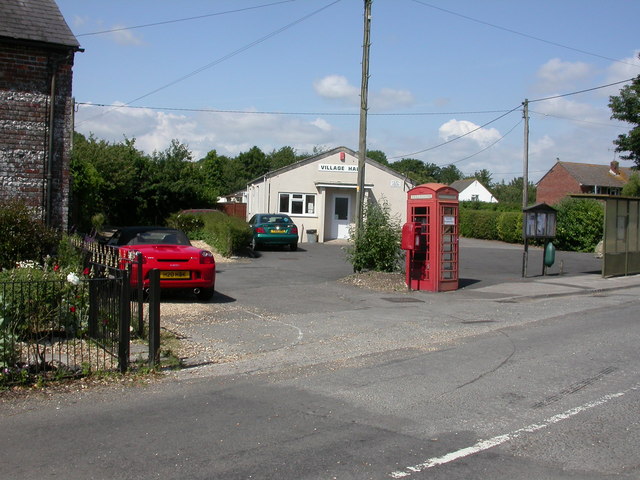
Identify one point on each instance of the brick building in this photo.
(37, 50)
(565, 178)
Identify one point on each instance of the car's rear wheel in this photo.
(293, 247)
(205, 294)
(254, 244)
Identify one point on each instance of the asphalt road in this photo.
(358, 385)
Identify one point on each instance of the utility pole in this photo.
(362, 149)
(525, 184)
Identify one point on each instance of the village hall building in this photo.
(319, 193)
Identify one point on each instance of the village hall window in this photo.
(297, 203)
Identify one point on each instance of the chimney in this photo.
(614, 168)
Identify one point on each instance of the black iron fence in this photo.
(52, 325)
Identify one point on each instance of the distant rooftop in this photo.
(601, 175)
(35, 20)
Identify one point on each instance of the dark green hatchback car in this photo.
(273, 229)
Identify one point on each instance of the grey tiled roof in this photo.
(35, 20)
(460, 185)
(590, 174)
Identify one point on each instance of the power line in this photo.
(327, 114)
(456, 138)
(493, 25)
(486, 148)
(573, 119)
(580, 91)
(166, 22)
(228, 56)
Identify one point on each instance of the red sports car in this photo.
(182, 266)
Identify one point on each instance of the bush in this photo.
(377, 246)
(226, 234)
(479, 224)
(190, 224)
(580, 224)
(509, 226)
(22, 237)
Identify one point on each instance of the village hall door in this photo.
(341, 218)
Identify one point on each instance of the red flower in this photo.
(56, 268)
(72, 309)
(86, 271)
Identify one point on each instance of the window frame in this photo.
(296, 197)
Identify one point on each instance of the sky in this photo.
(447, 80)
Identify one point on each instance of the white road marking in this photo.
(300, 334)
(483, 445)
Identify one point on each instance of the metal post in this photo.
(362, 149)
(154, 317)
(140, 296)
(125, 321)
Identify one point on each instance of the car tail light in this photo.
(206, 257)
(294, 229)
(260, 230)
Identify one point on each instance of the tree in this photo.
(626, 108)
(379, 156)
(449, 174)
(484, 177)
(632, 187)
(416, 170)
(281, 158)
(512, 192)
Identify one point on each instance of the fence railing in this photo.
(84, 323)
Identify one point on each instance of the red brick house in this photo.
(37, 51)
(565, 178)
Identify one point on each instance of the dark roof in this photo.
(35, 20)
(460, 185)
(601, 175)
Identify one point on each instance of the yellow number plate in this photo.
(174, 275)
(277, 231)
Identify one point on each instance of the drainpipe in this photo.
(49, 172)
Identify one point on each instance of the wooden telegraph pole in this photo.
(525, 185)
(362, 151)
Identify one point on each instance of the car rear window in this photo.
(275, 219)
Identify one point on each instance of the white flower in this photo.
(73, 279)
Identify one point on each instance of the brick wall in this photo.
(555, 185)
(25, 89)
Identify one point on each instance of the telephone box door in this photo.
(433, 263)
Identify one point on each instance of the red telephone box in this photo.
(430, 238)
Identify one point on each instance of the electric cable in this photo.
(455, 138)
(486, 148)
(556, 44)
(225, 57)
(166, 22)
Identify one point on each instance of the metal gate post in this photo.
(125, 321)
(154, 317)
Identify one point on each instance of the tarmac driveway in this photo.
(286, 304)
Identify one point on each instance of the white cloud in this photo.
(627, 68)
(125, 37)
(565, 108)
(228, 133)
(79, 21)
(337, 87)
(457, 128)
(389, 98)
(558, 75)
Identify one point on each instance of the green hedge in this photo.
(228, 235)
(579, 224)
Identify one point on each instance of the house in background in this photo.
(472, 190)
(37, 51)
(565, 178)
(319, 192)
